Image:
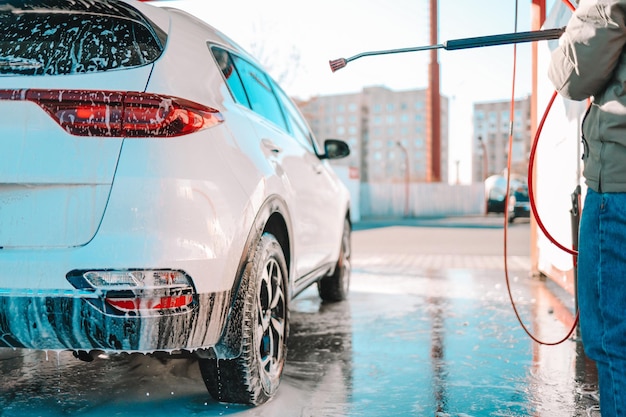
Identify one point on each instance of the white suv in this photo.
(159, 192)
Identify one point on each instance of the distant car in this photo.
(159, 192)
(519, 202)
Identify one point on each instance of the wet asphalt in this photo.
(428, 330)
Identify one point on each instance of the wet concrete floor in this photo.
(428, 330)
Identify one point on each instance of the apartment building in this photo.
(492, 126)
(385, 130)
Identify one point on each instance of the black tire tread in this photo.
(331, 287)
(237, 380)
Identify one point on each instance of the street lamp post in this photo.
(485, 167)
(485, 161)
(407, 178)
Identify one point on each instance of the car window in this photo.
(225, 62)
(297, 125)
(261, 88)
(41, 42)
(259, 92)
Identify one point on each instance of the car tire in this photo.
(335, 287)
(254, 376)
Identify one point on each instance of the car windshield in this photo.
(41, 42)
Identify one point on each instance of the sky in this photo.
(315, 32)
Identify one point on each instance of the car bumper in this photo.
(73, 321)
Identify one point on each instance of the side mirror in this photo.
(335, 149)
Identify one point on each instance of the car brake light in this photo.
(120, 114)
(157, 115)
(155, 303)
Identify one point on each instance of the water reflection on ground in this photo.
(451, 345)
(407, 343)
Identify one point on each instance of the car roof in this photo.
(214, 35)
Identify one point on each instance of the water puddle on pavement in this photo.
(449, 344)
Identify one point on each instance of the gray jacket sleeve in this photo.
(590, 49)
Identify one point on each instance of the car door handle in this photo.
(271, 146)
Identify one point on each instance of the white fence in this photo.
(380, 200)
(424, 200)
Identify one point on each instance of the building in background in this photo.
(492, 124)
(385, 130)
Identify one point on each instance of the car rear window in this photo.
(44, 41)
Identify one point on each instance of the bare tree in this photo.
(276, 53)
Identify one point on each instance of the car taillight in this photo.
(168, 302)
(138, 291)
(120, 114)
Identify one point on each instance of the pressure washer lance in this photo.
(465, 43)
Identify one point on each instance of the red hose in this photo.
(532, 200)
(531, 193)
(570, 5)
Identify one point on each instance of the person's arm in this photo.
(590, 48)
